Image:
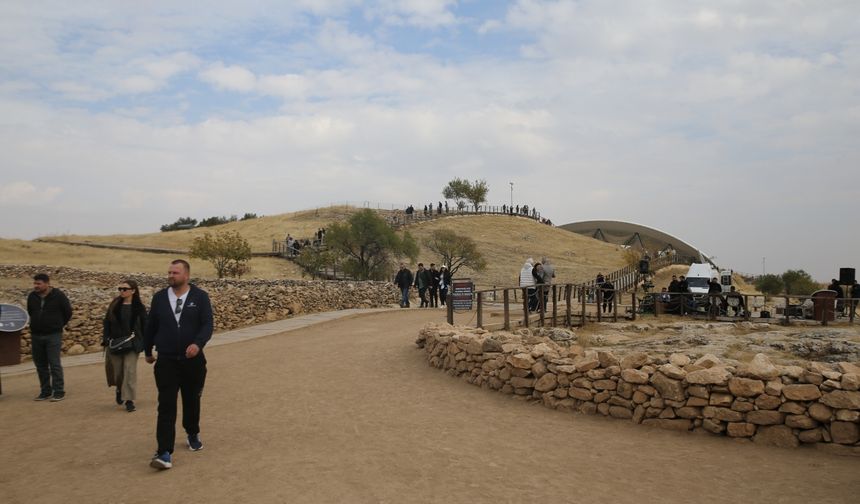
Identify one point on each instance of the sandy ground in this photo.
(348, 411)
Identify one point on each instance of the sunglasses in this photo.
(123, 289)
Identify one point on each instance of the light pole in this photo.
(512, 194)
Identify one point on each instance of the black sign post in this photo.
(462, 293)
(13, 319)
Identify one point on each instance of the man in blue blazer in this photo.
(179, 325)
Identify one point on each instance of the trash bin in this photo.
(824, 305)
(13, 319)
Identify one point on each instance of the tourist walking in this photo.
(50, 311)
(608, 291)
(433, 291)
(123, 340)
(179, 326)
(444, 284)
(527, 280)
(422, 282)
(403, 281)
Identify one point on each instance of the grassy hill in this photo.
(505, 241)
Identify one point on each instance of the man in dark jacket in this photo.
(435, 277)
(403, 281)
(179, 326)
(49, 311)
(422, 282)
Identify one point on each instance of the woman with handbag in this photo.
(123, 340)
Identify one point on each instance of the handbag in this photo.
(121, 345)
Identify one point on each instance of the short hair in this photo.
(420, 264)
(184, 264)
(432, 264)
(41, 277)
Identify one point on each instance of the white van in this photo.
(698, 277)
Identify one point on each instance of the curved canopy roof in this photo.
(634, 235)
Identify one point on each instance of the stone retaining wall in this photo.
(236, 303)
(817, 403)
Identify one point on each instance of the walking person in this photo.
(403, 281)
(50, 311)
(608, 291)
(179, 326)
(444, 284)
(422, 282)
(527, 280)
(433, 291)
(123, 340)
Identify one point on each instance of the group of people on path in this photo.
(178, 326)
(537, 279)
(295, 246)
(432, 285)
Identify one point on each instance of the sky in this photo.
(734, 125)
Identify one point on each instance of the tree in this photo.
(455, 250)
(181, 223)
(249, 216)
(799, 282)
(216, 221)
(369, 245)
(314, 259)
(769, 284)
(462, 190)
(228, 252)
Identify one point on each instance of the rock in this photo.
(791, 371)
(539, 369)
(723, 414)
(767, 402)
(774, 388)
(634, 376)
(776, 435)
(667, 413)
(740, 429)
(580, 393)
(668, 388)
(76, 349)
(847, 367)
(605, 385)
(844, 432)
(639, 397)
(842, 399)
(742, 407)
(696, 401)
(792, 408)
(607, 359)
(546, 383)
(745, 387)
(810, 436)
(801, 392)
(586, 364)
(491, 346)
(522, 383)
(760, 367)
(812, 377)
(765, 417)
(679, 360)
(698, 391)
(603, 409)
(712, 426)
(716, 375)
(800, 422)
(845, 415)
(620, 412)
(673, 371)
(820, 412)
(708, 361)
(719, 399)
(634, 360)
(521, 361)
(851, 381)
(688, 412)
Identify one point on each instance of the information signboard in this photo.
(461, 290)
(12, 318)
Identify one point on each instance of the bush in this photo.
(181, 223)
(217, 221)
(769, 284)
(228, 252)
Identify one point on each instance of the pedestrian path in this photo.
(220, 338)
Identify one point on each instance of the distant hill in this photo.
(505, 241)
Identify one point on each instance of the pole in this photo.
(507, 310)
(480, 310)
(512, 194)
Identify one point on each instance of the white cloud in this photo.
(25, 194)
(232, 78)
(420, 13)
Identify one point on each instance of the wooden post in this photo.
(541, 303)
(449, 304)
(786, 311)
(747, 314)
(568, 290)
(507, 299)
(525, 307)
(480, 299)
(582, 300)
(554, 304)
(633, 303)
(852, 305)
(615, 306)
(599, 298)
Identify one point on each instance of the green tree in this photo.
(769, 284)
(181, 223)
(314, 259)
(216, 221)
(369, 245)
(228, 252)
(455, 250)
(799, 282)
(461, 190)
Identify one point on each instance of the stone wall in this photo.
(817, 403)
(236, 303)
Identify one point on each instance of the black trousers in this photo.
(434, 296)
(187, 377)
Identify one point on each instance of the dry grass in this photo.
(505, 241)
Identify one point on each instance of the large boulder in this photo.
(716, 375)
(801, 392)
(745, 387)
(668, 388)
(776, 435)
(760, 367)
(842, 399)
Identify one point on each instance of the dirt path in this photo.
(348, 411)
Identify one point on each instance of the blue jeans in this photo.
(404, 299)
(46, 356)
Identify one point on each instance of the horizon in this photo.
(732, 127)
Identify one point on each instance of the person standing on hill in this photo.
(123, 338)
(422, 282)
(179, 325)
(435, 277)
(444, 284)
(527, 280)
(608, 291)
(50, 311)
(403, 281)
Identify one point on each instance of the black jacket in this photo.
(50, 317)
(112, 327)
(403, 279)
(171, 338)
(423, 279)
(436, 276)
